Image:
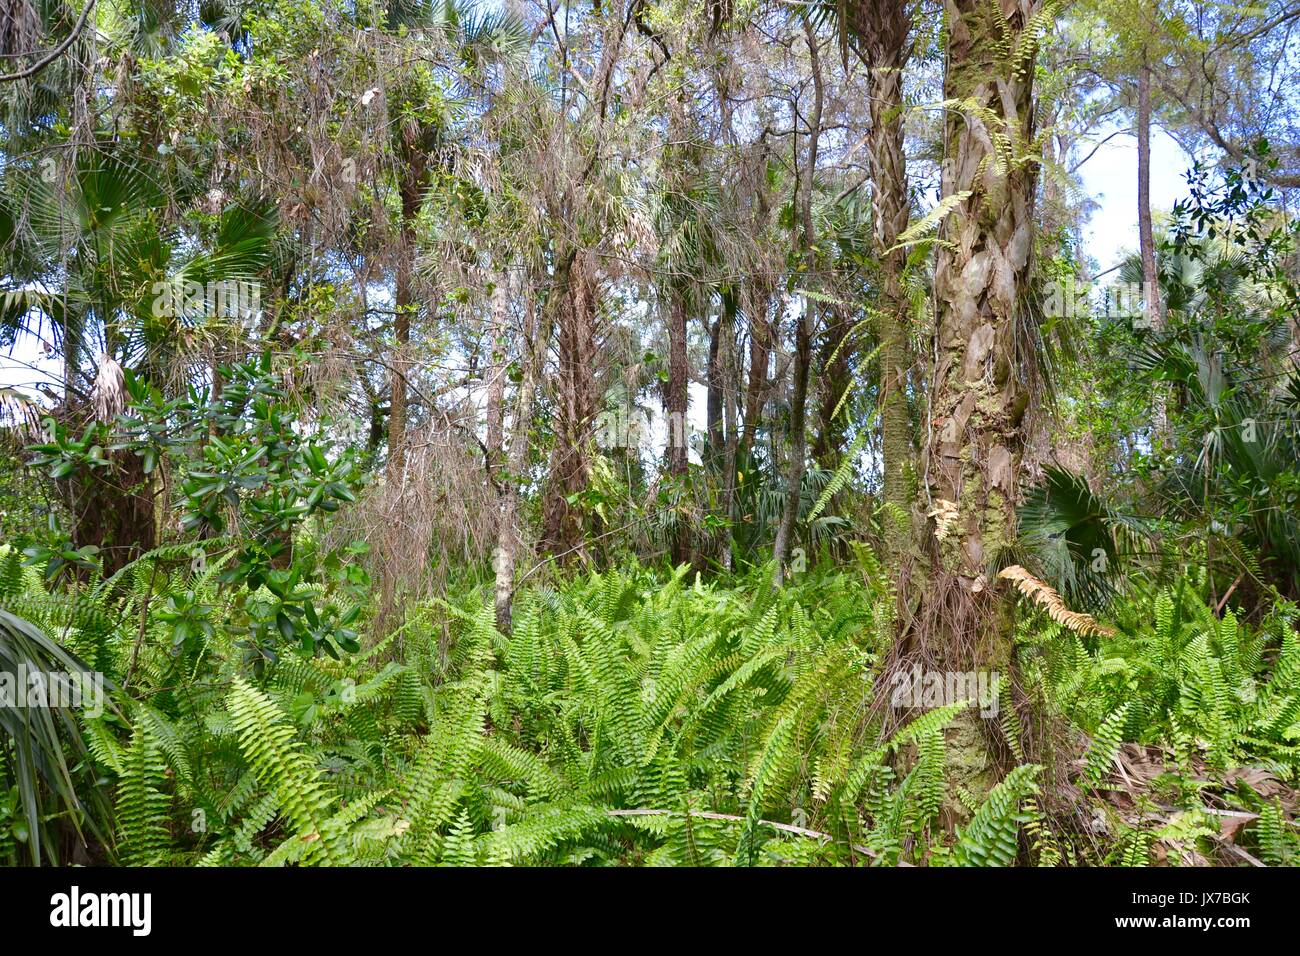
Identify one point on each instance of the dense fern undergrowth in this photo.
(640, 718)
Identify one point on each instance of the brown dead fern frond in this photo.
(1045, 596)
(945, 514)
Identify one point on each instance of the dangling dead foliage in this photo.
(20, 28)
(438, 518)
(108, 396)
(1045, 596)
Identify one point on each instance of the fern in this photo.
(142, 807)
(991, 838)
(267, 741)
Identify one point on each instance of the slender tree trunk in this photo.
(760, 357)
(496, 369)
(803, 329)
(677, 397)
(731, 410)
(403, 306)
(884, 26)
(835, 361)
(713, 413)
(506, 556)
(496, 374)
(798, 442)
(1146, 236)
(678, 293)
(981, 385)
(676, 402)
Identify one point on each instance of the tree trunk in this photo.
(803, 328)
(714, 411)
(760, 357)
(677, 391)
(731, 416)
(835, 361)
(798, 442)
(114, 510)
(676, 401)
(506, 556)
(883, 26)
(570, 467)
(1146, 236)
(403, 307)
(498, 361)
(981, 385)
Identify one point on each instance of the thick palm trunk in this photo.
(979, 393)
(114, 509)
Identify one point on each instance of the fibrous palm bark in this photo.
(881, 28)
(570, 466)
(980, 388)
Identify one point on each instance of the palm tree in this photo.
(105, 278)
(687, 214)
(984, 359)
(881, 32)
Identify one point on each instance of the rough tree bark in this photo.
(979, 392)
(717, 394)
(882, 28)
(760, 357)
(834, 359)
(495, 371)
(677, 390)
(574, 297)
(731, 417)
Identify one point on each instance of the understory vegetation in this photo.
(649, 433)
(633, 718)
